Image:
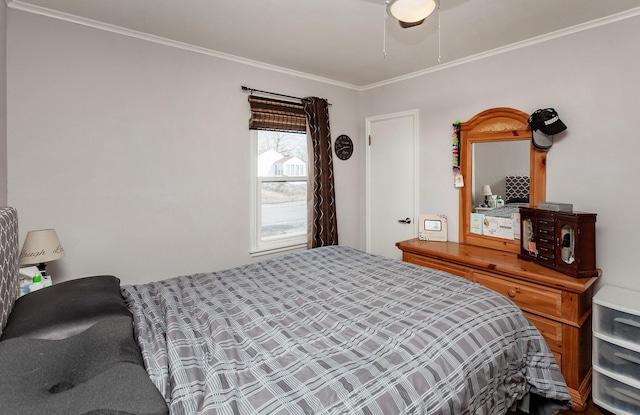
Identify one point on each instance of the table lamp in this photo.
(486, 192)
(40, 247)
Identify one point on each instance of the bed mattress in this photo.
(334, 330)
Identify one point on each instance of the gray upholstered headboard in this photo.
(8, 262)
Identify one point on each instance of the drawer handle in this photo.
(625, 395)
(512, 293)
(627, 357)
(627, 321)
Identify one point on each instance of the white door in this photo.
(391, 181)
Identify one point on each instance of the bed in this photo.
(506, 211)
(331, 330)
(334, 330)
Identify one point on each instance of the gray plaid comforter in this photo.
(337, 331)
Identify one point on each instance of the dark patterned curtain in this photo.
(323, 223)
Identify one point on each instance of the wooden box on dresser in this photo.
(557, 304)
(564, 241)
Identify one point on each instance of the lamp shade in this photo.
(486, 190)
(41, 246)
(411, 11)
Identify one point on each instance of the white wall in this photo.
(591, 79)
(121, 144)
(138, 153)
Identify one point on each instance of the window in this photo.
(280, 196)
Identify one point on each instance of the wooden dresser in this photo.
(557, 304)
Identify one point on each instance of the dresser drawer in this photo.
(550, 330)
(546, 253)
(527, 296)
(435, 264)
(545, 225)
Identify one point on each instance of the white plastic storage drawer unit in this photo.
(616, 351)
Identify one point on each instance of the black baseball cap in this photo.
(546, 121)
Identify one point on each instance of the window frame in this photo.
(258, 246)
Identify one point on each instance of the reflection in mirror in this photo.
(493, 162)
(496, 150)
(527, 236)
(568, 244)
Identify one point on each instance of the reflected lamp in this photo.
(486, 192)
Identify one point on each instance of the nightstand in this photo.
(25, 283)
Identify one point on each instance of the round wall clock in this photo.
(343, 147)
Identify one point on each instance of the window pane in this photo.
(281, 154)
(281, 205)
(284, 209)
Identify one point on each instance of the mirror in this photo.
(494, 144)
(493, 162)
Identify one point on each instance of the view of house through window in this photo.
(282, 189)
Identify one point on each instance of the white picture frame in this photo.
(432, 227)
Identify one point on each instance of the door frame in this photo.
(413, 114)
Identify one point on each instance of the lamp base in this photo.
(42, 268)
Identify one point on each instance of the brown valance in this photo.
(275, 115)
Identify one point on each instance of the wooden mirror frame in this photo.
(496, 124)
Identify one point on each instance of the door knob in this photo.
(407, 220)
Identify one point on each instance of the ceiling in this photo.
(339, 40)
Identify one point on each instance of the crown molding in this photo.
(54, 14)
(43, 11)
(514, 46)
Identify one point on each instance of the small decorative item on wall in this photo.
(455, 149)
(343, 147)
(458, 180)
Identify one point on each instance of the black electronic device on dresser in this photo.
(563, 241)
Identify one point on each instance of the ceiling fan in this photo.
(411, 12)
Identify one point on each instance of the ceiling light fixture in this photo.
(411, 12)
